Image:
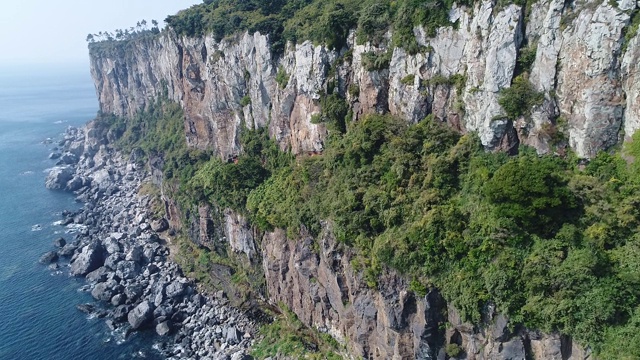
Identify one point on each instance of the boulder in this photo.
(112, 261)
(163, 328)
(233, 336)
(69, 158)
(98, 275)
(135, 254)
(86, 308)
(127, 270)
(59, 242)
(120, 312)
(112, 245)
(141, 315)
(75, 184)
(48, 258)
(91, 258)
(102, 291)
(133, 291)
(175, 289)
(118, 299)
(160, 225)
(68, 250)
(58, 178)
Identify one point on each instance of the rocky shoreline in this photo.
(118, 249)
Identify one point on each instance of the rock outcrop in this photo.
(324, 290)
(581, 66)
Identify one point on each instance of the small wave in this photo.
(25, 173)
(60, 122)
(74, 228)
(36, 227)
(48, 170)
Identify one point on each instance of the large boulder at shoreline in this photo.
(59, 242)
(48, 258)
(75, 183)
(102, 291)
(59, 177)
(91, 258)
(67, 250)
(141, 315)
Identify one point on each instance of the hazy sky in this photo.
(54, 31)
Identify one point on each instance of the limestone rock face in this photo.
(579, 67)
(589, 90)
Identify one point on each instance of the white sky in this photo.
(54, 31)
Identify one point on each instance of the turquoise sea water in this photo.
(38, 315)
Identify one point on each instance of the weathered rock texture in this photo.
(390, 322)
(583, 65)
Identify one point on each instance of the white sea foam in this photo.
(74, 228)
(36, 227)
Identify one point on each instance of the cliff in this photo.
(583, 66)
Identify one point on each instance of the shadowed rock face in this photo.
(323, 289)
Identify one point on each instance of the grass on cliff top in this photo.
(321, 21)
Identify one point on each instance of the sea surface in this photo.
(38, 315)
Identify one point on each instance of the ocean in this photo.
(38, 315)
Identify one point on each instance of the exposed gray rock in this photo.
(159, 225)
(91, 258)
(127, 269)
(68, 250)
(175, 289)
(102, 291)
(48, 257)
(58, 178)
(163, 328)
(141, 315)
(59, 242)
(98, 275)
(75, 184)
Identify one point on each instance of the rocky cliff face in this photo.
(583, 65)
(325, 291)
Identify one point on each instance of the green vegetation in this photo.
(453, 350)
(321, 21)
(408, 80)
(287, 336)
(551, 244)
(457, 80)
(376, 62)
(246, 100)
(334, 112)
(282, 78)
(518, 99)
